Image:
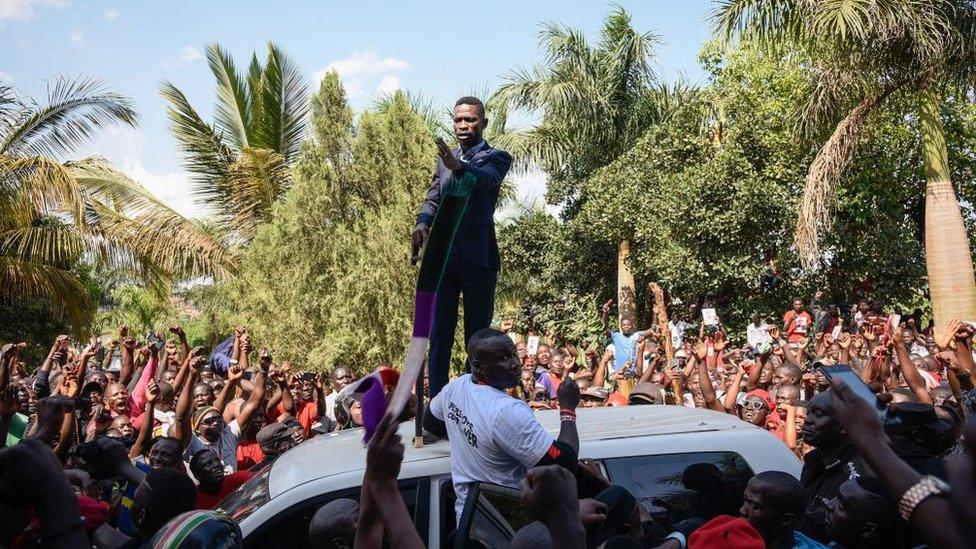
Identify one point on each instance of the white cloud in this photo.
(366, 62)
(187, 55)
(6, 77)
(76, 36)
(364, 70)
(172, 188)
(388, 84)
(22, 10)
(113, 14)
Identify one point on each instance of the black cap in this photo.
(918, 415)
(272, 432)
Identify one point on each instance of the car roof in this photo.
(344, 452)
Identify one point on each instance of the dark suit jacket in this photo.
(475, 243)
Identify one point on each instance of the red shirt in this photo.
(308, 412)
(231, 482)
(249, 454)
(798, 326)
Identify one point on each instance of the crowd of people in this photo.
(131, 443)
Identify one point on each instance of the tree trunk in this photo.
(947, 252)
(626, 297)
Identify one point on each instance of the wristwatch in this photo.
(927, 486)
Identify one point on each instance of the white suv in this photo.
(642, 448)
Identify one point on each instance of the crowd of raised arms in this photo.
(129, 443)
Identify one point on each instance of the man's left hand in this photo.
(447, 157)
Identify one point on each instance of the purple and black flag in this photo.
(454, 202)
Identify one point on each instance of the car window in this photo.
(290, 527)
(246, 499)
(672, 487)
(497, 515)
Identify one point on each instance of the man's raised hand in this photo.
(568, 395)
(447, 157)
(384, 454)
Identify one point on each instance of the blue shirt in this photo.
(624, 350)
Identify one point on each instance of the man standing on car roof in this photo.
(495, 438)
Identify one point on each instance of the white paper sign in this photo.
(710, 317)
(532, 345)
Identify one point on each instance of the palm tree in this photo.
(863, 51)
(55, 215)
(240, 164)
(594, 102)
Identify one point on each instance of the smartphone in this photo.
(532, 345)
(154, 339)
(836, 333)
(844, 373)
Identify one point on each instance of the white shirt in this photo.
(494, 438)
(226, 447)
(330, 402)
(757, 334)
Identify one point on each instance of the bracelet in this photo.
(919, 492)
(80, 521)
(565, 414)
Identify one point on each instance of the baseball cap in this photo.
(272, 432)
(764, 395)
(595, 393)
(646, 392)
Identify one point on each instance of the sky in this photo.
(438, 49)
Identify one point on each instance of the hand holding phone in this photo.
(850, 378)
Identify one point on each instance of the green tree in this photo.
(864, 51)
(241, 163)
(325, 285)
(594, 103)
(59, 218)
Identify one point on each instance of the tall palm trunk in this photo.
(626, 297)
(947, 255)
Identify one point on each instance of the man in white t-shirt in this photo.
(494, 437)
(757, 332)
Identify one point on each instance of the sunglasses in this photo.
(753, 404)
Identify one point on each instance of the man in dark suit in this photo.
(472, 268)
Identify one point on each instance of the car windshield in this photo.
(673, 487)
(248, 498)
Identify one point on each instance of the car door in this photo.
(491, 516)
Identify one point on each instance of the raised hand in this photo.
(234, 373)
(9, 403)
(152, 391)
(568, 395)
(177, 330)
(701, 350)
(844, 340)
(774, 333)
(506, 326)
(964, 334)
(549, 494)
(719, 341)
(384, 454)
(196, 364)
(447, 157)
(605, 309)
(264, 358)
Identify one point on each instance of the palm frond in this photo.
(285, 106)
(21, 280)
(823, 178)
(76, 110)
(232, 112)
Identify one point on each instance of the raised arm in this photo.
(145, 430)
(177, 330)
(127, 361)
(253, 404)
(234, 375)
(908, 369)
(182, 428)
(704, 382)
(735, 386)
(605, 317)
(600, 375)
